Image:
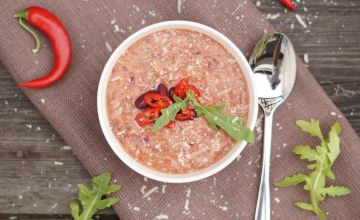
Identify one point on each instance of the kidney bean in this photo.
(162, 89)
(171, 93)
(140, 103)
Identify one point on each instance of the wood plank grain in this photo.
(39, 175)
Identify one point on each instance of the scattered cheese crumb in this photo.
(186, 205)
(306, 58)
(152, 13)
(108, 46)
(273, 17)
(152, 190)
(137, 209)
(137, 8)
(162, 216)
(277, 200)
(238, 157)
(54, 206)
(188, 192)
(65, 148)
(42, 101)
(224, 208)
(142, 190)
(117, 29)
(300, 20)
(120, 133)
(58, 163)
(187, 201)
(179, 6)
(163, 189)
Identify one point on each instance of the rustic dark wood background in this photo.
(38, 173)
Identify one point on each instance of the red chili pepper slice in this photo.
(52, 27)
(157, 100)
(148, 116)
(288, 4)
(194, 89)
(185, 114)
(183, 87)
(180, 89)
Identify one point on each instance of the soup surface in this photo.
(166, 57)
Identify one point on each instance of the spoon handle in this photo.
(263, 203)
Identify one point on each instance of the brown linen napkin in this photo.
(97, 27)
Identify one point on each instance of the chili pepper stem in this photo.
(22, 15)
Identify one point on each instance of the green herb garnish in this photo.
(322, 158)
(232, 125)
(92, 200)
(169, 113)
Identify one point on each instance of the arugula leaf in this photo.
(336, 128)
(312, 127)
(311, 166)
(291, 181)
(169, 113)
(303, 205)
(335, 191)
(323, 157)
(306, 153)
(91, 200)
(309, 207)
(230, 124)
(333, 146)
(177, 99)
(330, 174)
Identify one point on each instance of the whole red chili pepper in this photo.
(288, 4)
(48, 23)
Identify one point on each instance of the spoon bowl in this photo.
(274, 69)
(274, 72)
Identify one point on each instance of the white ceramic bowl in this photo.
(103, 115)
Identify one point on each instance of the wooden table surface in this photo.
(38, 173)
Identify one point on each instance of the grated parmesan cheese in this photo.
(300, 20)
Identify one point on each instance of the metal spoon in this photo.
(274, 66)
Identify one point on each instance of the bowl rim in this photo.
(103, 114)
